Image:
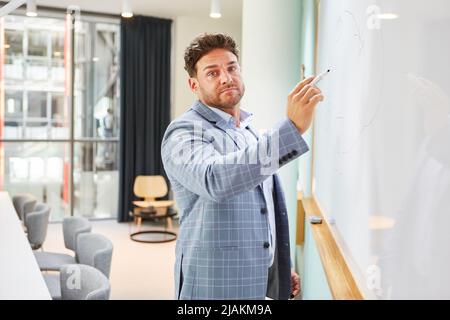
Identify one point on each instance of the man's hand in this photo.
(302, 102)
(295, 284)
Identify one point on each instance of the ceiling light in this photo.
(126, 9)
(31, 8)
(215, 9)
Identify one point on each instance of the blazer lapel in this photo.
(214, 118)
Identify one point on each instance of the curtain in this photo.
(145, 101)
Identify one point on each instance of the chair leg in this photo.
(169, 223)
(139, 221)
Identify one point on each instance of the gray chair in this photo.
(95, 250)
(92, 249)
(24, 203)
(83, 282)
(36, 223)
(17, 201)
(72, 227)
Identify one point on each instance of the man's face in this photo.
(218, 82)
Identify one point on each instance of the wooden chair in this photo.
(150, 188)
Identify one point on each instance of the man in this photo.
(233, 240)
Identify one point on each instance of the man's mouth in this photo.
(229, 89)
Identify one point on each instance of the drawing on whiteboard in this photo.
(357, 30)
(358, 85)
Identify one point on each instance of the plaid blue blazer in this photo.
(222, 247)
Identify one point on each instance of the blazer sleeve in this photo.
(189, 157)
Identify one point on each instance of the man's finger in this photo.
(302, 92)
(295, 293)
(300, 85)
(316, 99)
(309, 94)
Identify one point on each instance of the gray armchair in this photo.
(36, 223)
(24, 203)
(95, 250)
(72, 228)
(92, 249)
(83, 282)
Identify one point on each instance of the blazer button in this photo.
(263, 211)
(294, 152)
(266, 245)
(284, 158)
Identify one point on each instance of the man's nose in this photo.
(225, 77)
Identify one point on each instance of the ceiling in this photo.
(231, 9)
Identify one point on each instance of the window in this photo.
(76, 174)
(14, 44)
(13, 109)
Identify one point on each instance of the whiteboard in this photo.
(381, 170)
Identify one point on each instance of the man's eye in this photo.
(212, 74)
(234, 68)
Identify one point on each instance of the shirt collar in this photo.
(245, 117)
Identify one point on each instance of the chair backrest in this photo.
(18, 201)
(37, 223)
(83, 282)
(150, 187)
(72, 227)
(28, 206)
(24, 203)
(95, 250)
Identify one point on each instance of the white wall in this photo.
(185, 30)
(271, 68)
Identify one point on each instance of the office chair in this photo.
(83, 282)
(72, 228)
(92, 249)
(36, 223)
(23, 204)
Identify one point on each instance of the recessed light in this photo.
(126, 9)
(215, 9)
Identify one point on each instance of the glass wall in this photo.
(36, 136)
(39, 168)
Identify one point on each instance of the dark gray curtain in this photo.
(145, 101)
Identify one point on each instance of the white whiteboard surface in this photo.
(382, 142)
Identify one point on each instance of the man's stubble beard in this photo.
(215, 101)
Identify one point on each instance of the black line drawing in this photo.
(345, 21)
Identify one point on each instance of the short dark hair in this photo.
(203, 44)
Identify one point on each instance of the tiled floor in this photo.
(138, 271)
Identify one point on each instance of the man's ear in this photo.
(193, 84)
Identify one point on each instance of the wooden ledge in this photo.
(340, 280)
